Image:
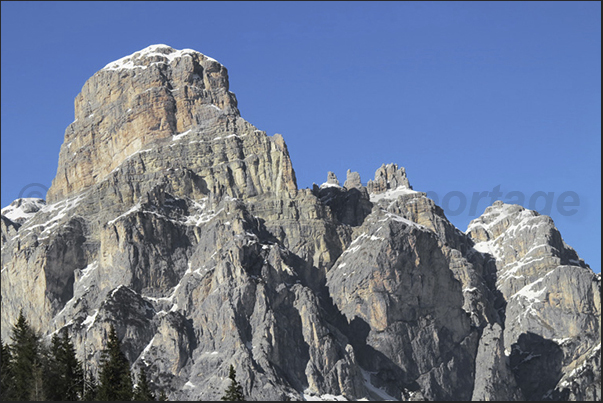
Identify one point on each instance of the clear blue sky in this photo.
(466, 95)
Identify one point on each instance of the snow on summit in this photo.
(159, 53)
(22, 209)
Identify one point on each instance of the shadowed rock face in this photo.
(181, 224)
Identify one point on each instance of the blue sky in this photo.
(470, 97)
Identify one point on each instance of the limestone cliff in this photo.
(180, 223)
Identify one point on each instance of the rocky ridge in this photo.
(186, 230)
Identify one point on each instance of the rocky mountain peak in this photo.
(138, 100)
(332, 181)
(510, 232)
(388, 177)
(352, 180)
(179, 223)
(159, 53)
(17, 213)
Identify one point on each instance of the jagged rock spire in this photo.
(388, 177)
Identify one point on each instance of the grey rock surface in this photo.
(332, 179)
(188, 234)
(494, 379)
(352, 180)
(388, 177)
(549, 299)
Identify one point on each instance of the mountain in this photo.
(181, 224)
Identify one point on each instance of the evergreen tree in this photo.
(235, 391)
(142, 391)
(65, 375)
(53, 380)
(25, 362)
(72, 368)
(115, 381)
(5, 373)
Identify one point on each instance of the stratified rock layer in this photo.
(181, 224)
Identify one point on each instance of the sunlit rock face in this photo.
(181, 224)
(143, 100)
(551, 302)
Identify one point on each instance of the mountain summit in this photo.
(181, 225)
(136, 101)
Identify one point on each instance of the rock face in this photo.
(181, 224)
(550, 299)
(153, 95)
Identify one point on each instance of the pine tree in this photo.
(73, 371)
(65, 377)
(25, 361)
(53, 380)
(5, 373)
(235, 391)
(115, 381)
(142, 391)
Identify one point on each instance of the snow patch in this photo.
(62, 208)
(496, 213)
(529, 293)
(85, 272)
(359, 237)
(311, 396)
(202, 217)
(23, 209)
(228, 137)
(127, 213)
(391, 194)
(147, 349)
(162, 54)
(352, 249)
(403, 220)
(329, 185)
(89, 321)
(490, 248)
(177, 137)
(562, 341)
